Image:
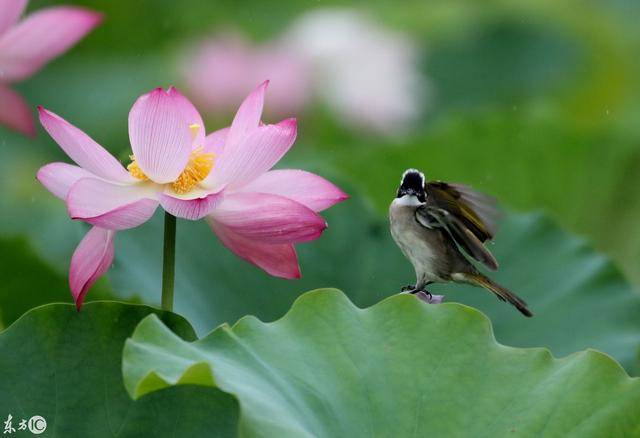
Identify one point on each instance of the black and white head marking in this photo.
(412, 184)
(412, 173)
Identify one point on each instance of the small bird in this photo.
(435, 223)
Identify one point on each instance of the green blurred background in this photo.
(536, 102)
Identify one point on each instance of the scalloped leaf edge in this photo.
(199, 371)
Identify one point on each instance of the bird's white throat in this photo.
(407, 201)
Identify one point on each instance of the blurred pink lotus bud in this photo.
(365, 74)
(221, 71)
(27, 45)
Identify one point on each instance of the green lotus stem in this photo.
(168, 261)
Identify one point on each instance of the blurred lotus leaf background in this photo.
(534, 102)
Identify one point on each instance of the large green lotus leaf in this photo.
(399, 368)
(66, 367)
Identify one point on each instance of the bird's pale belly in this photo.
(414, 242)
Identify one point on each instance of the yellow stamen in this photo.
(135, 170)
(199, 165)
(194, 128)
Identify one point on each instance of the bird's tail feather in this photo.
(501, 292)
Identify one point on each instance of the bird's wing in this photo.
(478, 212)
(435, 217)
(451, 207)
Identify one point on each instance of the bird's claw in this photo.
(423, 294)
(411, 289)
(427, 297)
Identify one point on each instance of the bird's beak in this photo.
(406, 191)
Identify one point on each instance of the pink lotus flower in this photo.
(224, 177)
(27, 46)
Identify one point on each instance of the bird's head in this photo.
(412, 184)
